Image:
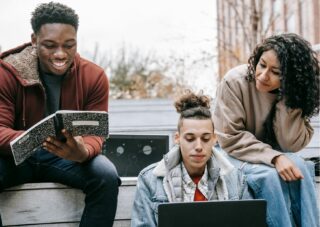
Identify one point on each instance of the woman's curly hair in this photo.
(193, 106)
(299, 71)
(53, 12)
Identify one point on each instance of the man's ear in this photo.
(177, 138)
(33, 40)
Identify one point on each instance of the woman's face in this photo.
(196, 138)
(268, 72)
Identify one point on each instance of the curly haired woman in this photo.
(262, 117)
(190, 171)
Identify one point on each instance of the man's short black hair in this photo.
(53, 12)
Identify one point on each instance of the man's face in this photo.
(196, 138)
(56, 46)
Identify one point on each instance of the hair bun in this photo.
(191, 100)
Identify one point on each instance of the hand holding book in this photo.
(78, 123)
(72, 148)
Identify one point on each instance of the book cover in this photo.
(79, 123)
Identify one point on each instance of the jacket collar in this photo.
(24, 60)
(25, 63)
(173, 158)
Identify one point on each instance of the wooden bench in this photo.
(52, 204)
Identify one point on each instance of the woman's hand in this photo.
(73, 149)
(286, 168)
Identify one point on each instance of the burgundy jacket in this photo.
(22, 95)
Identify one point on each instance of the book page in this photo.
(28, 142)
(85, 123)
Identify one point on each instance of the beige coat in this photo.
(239, 113)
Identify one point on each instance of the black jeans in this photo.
(97, 178)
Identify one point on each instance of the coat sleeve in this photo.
(143, 213)
(7, 111)
(292, 131)
(97, 100)
(229, 121)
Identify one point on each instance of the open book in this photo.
(79, 123)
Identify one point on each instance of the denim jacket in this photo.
(161, 183)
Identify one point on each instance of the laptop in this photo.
(231, 213)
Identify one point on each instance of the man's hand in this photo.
(287, 169)
(73, 149)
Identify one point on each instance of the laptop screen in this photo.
(231, 213)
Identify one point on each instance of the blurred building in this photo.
(244, 23)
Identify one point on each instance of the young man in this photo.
(192, 170)
(39, 78)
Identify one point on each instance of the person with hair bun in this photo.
(192, 170)
(262, 116)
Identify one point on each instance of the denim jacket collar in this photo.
(173, 157)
